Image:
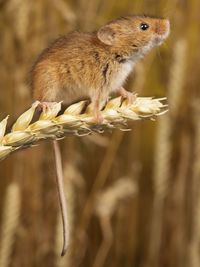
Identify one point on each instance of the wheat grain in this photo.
(73, 122)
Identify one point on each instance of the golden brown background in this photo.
(144, 208)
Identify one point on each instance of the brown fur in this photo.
(81, 65)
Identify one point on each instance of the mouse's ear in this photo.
(106, 35)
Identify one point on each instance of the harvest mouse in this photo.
(93, 65)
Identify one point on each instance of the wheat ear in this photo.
(75, 122)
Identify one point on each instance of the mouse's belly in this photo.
(119, 76)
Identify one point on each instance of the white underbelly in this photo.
(121, 74)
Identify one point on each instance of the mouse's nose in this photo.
(162, 27)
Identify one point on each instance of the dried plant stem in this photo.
(107, 203)
(194, 256)
(101, 177)
(177, 74)
(10, 223)
(163, 149)
(177, 199)
(160, 179)
(106, 227)
(91, 200)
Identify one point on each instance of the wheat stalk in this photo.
(10, 221)
(163, 149)
(106, 204)
(193, 246)
(73, 122)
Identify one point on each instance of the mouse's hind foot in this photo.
(131, 98)
(47, 106)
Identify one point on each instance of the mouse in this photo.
(82, 65)
(92, 65)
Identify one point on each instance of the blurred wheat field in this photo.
(133, 197)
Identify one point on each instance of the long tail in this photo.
(61, 194)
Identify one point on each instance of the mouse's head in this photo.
(136, 35)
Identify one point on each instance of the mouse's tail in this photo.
(61, 195)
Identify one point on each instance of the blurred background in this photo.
(133, 197)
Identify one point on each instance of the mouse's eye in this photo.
(144, 26)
